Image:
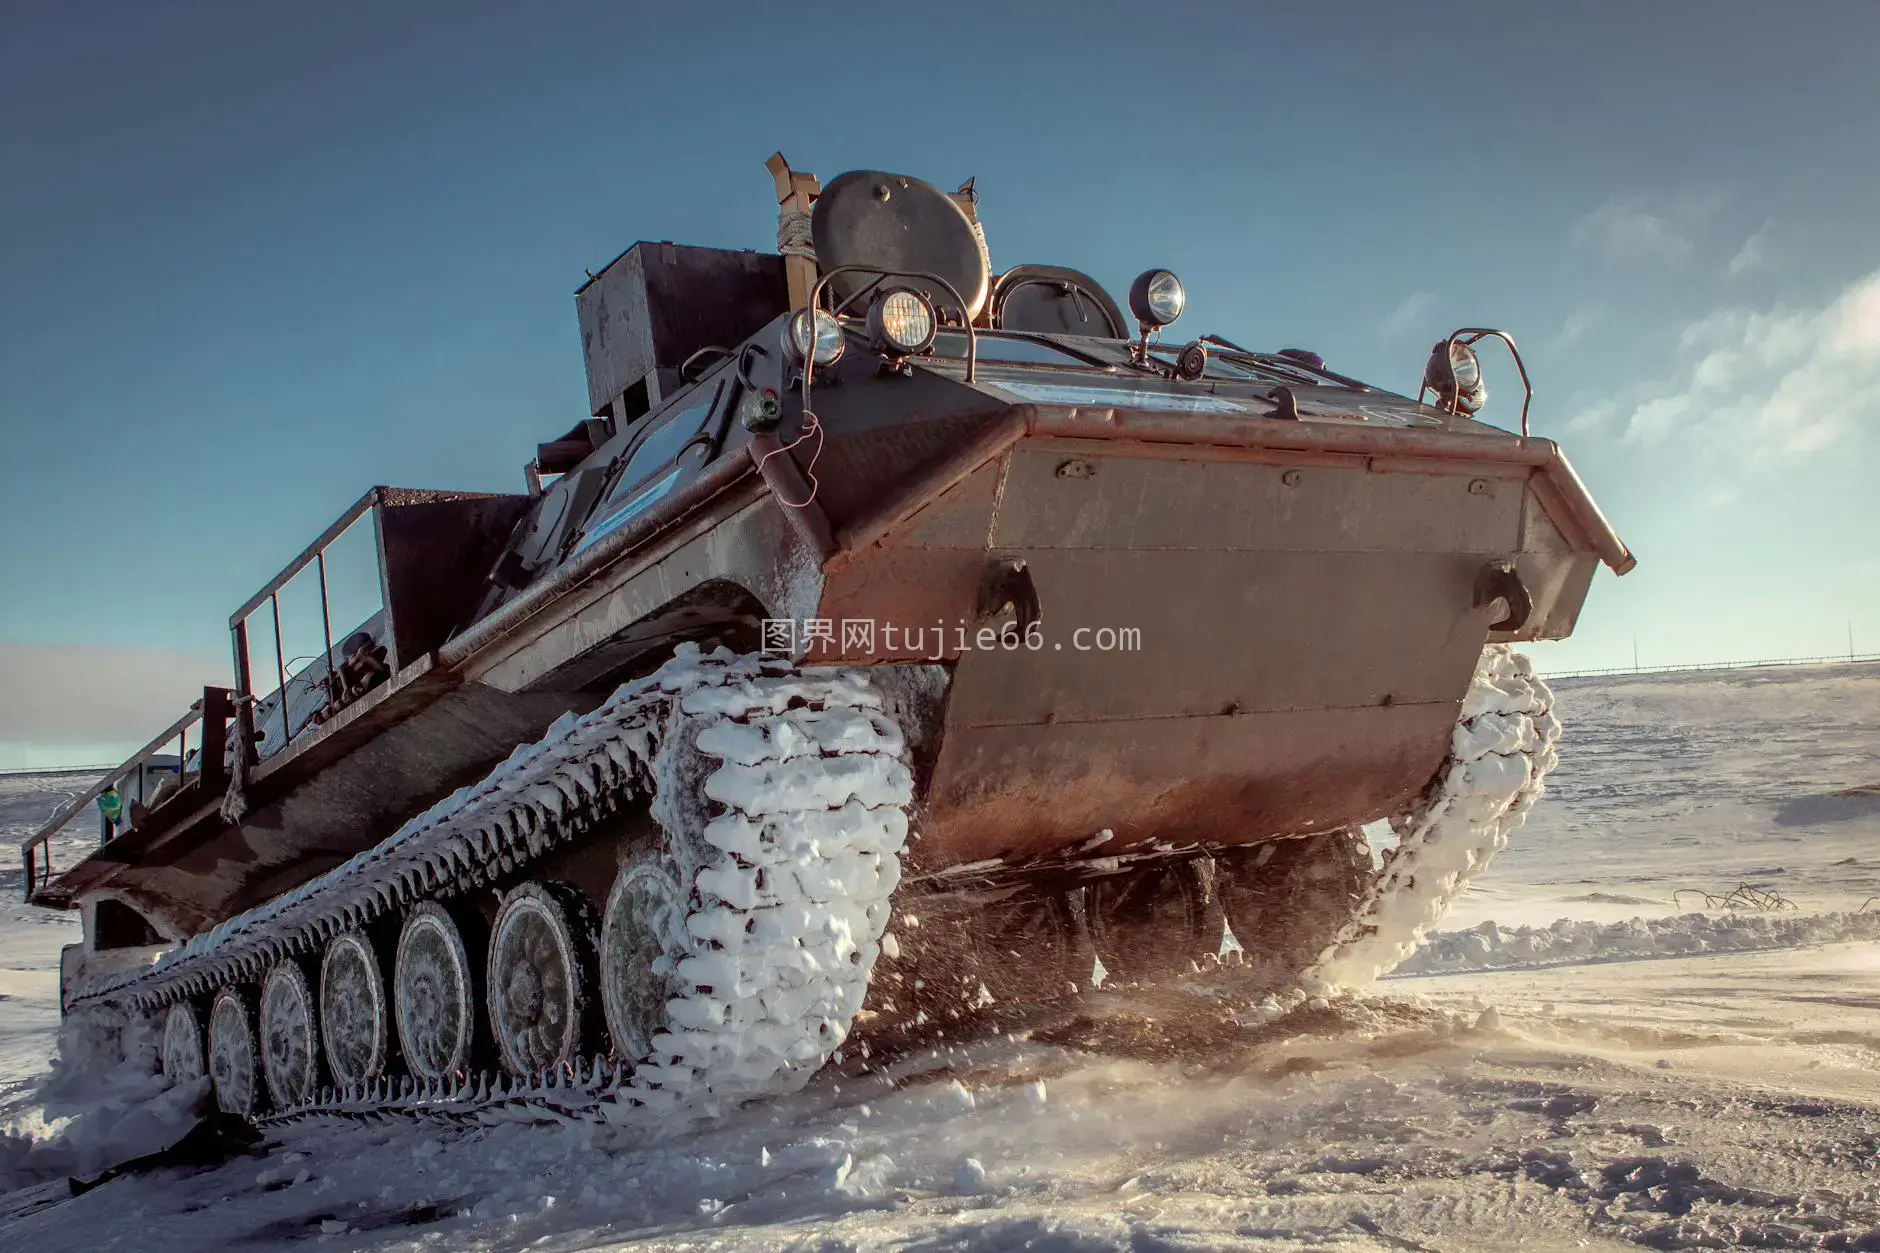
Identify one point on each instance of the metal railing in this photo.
(1836, 659)
(212, 714)
(270, 595)
(212, 773)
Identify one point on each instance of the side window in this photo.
(660, 445)
(649, 474)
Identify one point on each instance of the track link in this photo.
(1499, 756)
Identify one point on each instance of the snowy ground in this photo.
(1702, 1080)
(30, 939)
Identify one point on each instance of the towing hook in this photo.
(1008, 586)
(1499, 581)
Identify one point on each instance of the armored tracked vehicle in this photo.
(891, 641)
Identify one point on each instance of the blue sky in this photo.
(257, 259)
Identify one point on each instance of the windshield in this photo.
(1009, 349)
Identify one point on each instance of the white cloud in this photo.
(1786, 381)
(1594, 418)
(1638, 230)
(78, 695)
(1753, 255)
(1409, 315)
(1577, 324)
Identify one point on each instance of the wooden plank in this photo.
(799, 191)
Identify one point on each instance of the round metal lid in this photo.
(900, 226)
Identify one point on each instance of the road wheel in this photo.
(353, 1018)
(182, 1044)
(541, 971)
(434, 994)
(290, 1036)
(232, 1053)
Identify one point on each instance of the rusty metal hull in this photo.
(1289, 636)
(1018, 793)
(1290, 608)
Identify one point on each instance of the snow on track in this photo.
(1500, 753)
(793, 880)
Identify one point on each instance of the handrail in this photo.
(306, 557)
(313, 554)
(177, 732)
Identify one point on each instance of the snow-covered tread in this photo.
(232, 1053)
(783, 795)
(541, 972)
(543, 794)
(434, 992)
(353, 1017)
(290, 1037)
(182, 1044)
(783, 800)
(1500, 753)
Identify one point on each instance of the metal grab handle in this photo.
(1008, 585)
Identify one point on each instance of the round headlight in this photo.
(828, 338)
(1157, 298)
(1455, 375)
(1464, 367)
(902, 321)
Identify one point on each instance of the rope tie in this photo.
(793, 233)
(241, 752)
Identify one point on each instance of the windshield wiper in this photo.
(1284, 367)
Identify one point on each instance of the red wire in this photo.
(811, 426)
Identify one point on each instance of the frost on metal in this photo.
(514, 812)
(1499, 755)
(232, 1061)
(353, 1018)
(784, 799)
(181, 1053)
(290, 1036)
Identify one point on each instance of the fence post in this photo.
(217, 708)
